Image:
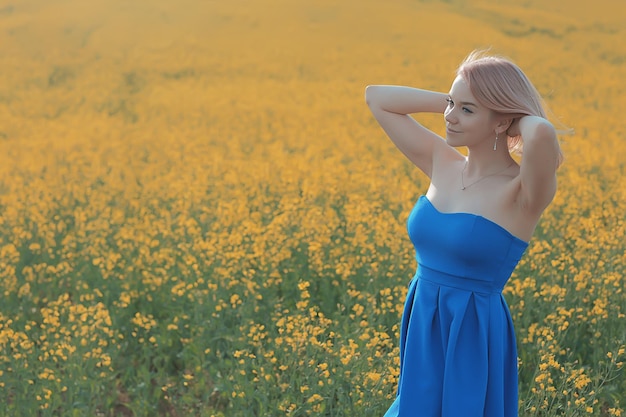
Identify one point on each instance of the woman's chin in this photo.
(453, 143)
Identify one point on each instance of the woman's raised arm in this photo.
(392, 106)
(540, 161)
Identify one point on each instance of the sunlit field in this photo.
(200, 217)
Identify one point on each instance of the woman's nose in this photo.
(449, 116)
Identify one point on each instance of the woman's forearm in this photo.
(405, 100)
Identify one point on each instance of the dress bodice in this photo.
(464, 246)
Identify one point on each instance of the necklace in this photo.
(463, 186)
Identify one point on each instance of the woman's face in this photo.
(468, 123)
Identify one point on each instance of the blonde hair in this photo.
(501, 86)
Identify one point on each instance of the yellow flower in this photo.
(315, 398)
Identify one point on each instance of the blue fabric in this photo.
(457, 343)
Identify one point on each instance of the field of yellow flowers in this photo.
(199, 216)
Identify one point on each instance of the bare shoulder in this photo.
(446, 158)
(446, 172)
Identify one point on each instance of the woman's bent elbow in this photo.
(370, 94)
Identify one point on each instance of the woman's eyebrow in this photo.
(463, 103)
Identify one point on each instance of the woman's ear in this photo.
(505, 122)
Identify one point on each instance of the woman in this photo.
(457, 344)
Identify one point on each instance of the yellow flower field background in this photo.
(199, 216)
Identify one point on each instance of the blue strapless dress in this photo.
(457, 343)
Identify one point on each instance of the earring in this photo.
(495, 144)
